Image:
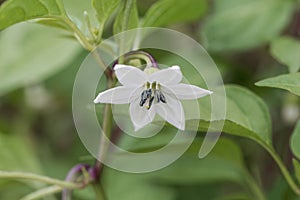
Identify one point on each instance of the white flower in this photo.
(150, 93)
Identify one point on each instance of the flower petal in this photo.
(172, 111)
(117, 95)
(140, 116)
(186, 91)
(130, 76)
(167, 76)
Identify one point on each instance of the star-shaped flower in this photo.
(151, 92)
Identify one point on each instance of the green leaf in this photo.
(127, 17)
(295, 141)
(287, 51)
(14, 11)
(166, 12)
(281, 190)
(20, 189)
(244, 24)
(133, 187)
(246, 115)
(224, 164)
(297, 169)
(105, 8)
(30, 53)
(290, 82)
(16, 154)
(235, 196)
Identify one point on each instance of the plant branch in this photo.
(283, 169)
(42, 193)
(103, 146)
(99, 192)
(43, 179)
(106, 129)
(78, 34)
(107, 71)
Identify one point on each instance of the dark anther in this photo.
(150, 102)
(162, 98)
(157, 94)
(143, 98)
(146, 94)
(149, 95)
(149, 92)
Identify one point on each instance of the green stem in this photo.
(35, 177)
(42, 193)
(100, 32)
(78, 34)
(100, 62)
(89, 26)
(106, 127)
(283, 169)
(150, 61)
(103, 146)
(99, 192)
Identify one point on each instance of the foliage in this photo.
(288, 82)
(240, 25)
(42, 43)
(286, 50)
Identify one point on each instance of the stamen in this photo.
(162, 98)
(149, 98)
(147, 85)
(143, 98)
(149, 92)
(149, 103)
(156, 94)
(152, 92)
(153, 85)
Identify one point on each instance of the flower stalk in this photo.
(42, 193)
(106, 130)
(150, 61)
(142, 55)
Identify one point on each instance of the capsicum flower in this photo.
(151, 92)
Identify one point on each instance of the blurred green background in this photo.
(38, 65)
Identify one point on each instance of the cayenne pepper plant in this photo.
(249, 40)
